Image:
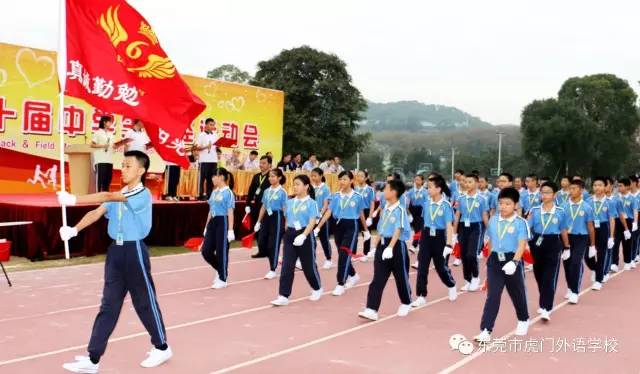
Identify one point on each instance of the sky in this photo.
(489, 58)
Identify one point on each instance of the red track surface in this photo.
(46, 319)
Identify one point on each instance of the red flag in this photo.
(485, 250)
(247, 241)
(115, 63)
(417, 236)
(456, 250)
(246, 221)
(527, 257)
(194, 244)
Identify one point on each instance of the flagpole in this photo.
(62, 77)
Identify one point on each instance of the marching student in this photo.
(635, 235)
(504, 180)
(458, 176)
(391, 255)
(604, 224)
(472, 215)
(369, 196)
(483, 188)
(531, 196)
(548, 224)
(417, 196)
(301, 215)
(628, 221)
(508, 234)
(519, 185)
(271, 228)
(127, 267)
(563, 195)
(218, 230)
(436, 240)
(619, 233)
(581, 235)
(347, 208)
(322, 197)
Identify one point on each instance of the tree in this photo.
(322, 108)
(229, 73)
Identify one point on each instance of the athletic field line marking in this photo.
(476, 354)
(174, 327)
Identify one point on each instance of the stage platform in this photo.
(173, 224)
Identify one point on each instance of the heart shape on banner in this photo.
(237, 103)
(34, 69)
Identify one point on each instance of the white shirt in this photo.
(101, 155)
(250, 165)
(308, 165)
(139, 140)
(207, 155)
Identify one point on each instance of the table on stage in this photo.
(189, 182)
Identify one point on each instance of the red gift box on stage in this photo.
(5, 250)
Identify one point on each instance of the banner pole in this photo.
(62, 77)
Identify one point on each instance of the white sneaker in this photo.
(529, 267)
(522, 328)
(327, 264)
(466, 286)
(475, 284)
(540, 310)
(369, 314)
(280, 301)
(614, 268)
(453, 293)
(270, 275)
(82, 364)
(420, 301)
(568, 294)
(298, 264)
(351, 281)
(218, 284)
(316, 295)
(403, 310)
(627, 267)
(593, 276)
(545, 315)
(605, 279)
(338, 291)
(573, 298)
(364, 258)
(415, 265)
(372, 254)
(597, 286)
(157, 357)
(457, 262)
(633, 265)
(483, 337)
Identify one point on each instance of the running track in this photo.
(46, 319)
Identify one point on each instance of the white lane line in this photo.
(174, 327)
(478, 353)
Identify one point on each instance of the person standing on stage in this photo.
(208, 158)
(259, 183)
(102, 143)
(136, 138)
(172, 179)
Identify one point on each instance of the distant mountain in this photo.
(416, 116)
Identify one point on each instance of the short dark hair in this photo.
(566, 177)
(208, 120)
(508, 176)
(532, 176)
(551, 185)
(509, 193)
(268, 158)
(578, 182)
(397, 186)
(143, 160)
(459, 171)
(600, 179)
(103, 121)
(254, 153)
(472, 175)
(633, 178)
(625, 181)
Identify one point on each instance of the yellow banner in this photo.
(251, 116)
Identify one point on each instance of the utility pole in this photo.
(500, 134)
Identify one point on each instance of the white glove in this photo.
(375, 214)
(231, 236)
(447, 251)
(627, 235)
(65, 198)
(565, 255)
(509, 268)
(592, 251)
(486, 239)
(610, 243)
(204, 232)
(410, 218)
(316, 231)
(67, 232)
(247, 209)
(634, 226)
(387, 253)
(299, 240)
(369, 222)
(366, 235)
(257, 226)
(455, 239)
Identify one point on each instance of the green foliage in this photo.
(322, 107)
(229, 73)
(590, 129)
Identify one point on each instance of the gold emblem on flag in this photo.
(156, 66)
